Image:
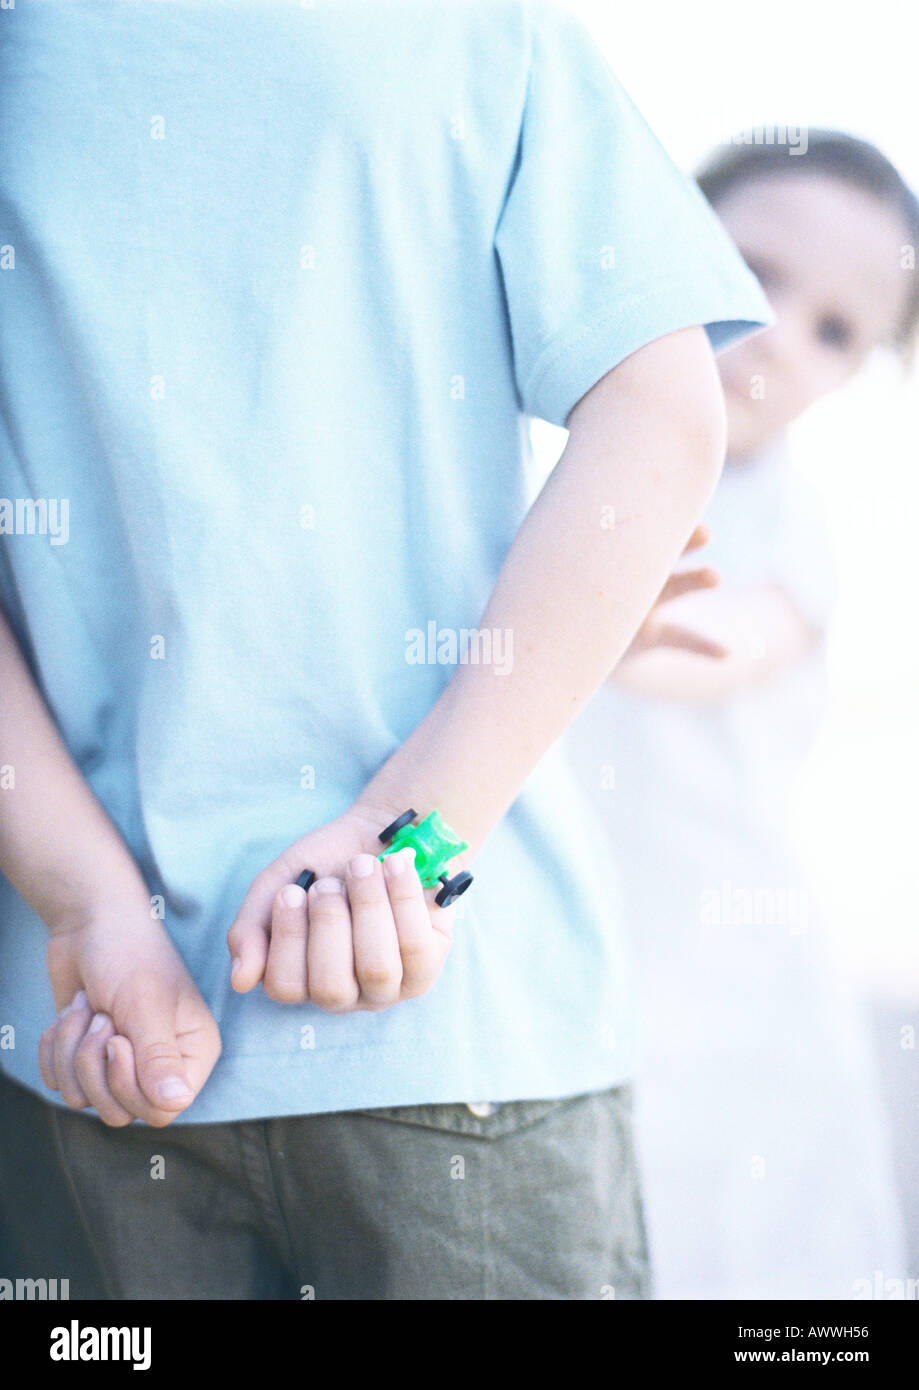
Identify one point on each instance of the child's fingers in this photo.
(687, 582)
(158, 1060)
(121, 1075)
(421, 948)
(285, 976)
(46, 1056)
(685, 639)
(248, 945)
(249, 936)
(329, 948)
(442, 919)
(90, 1064)
(700, 536)
(200, 1047)
(71, 1026)
(377, 962)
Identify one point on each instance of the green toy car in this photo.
(434, 844)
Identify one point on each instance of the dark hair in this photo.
(853, 161)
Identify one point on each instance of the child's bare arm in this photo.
(59, 848)
(57, 845)
(645, 450)
(644, 453)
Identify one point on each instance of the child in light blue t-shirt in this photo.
(280, 293)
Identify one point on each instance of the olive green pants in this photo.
(538, 1199)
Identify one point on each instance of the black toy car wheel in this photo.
(405, 819)
(453, 888)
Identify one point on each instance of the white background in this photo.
(699, 71)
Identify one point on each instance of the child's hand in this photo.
(378, 940)
(656, 631)
(124, 990)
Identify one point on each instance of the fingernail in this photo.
(110, 1050)
(172, 1088)
(237, 962)
(361, 865)
(77, 1002)
(328, 885)
(98, 1023)
(394, 864)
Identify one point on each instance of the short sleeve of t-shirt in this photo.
(604, 243)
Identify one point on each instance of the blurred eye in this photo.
(834, 331)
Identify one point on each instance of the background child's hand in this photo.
(124, 989)
(377, 940)
(657, 631)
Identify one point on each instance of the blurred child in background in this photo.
(760, 1125)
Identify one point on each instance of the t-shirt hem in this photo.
(264, 1086)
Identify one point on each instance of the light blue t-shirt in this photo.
(281, 283)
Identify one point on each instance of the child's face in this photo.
(828, 257)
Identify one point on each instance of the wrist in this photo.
(436, 768)
(66, 906)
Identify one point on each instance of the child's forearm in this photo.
(644, 454)
(57, 845)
